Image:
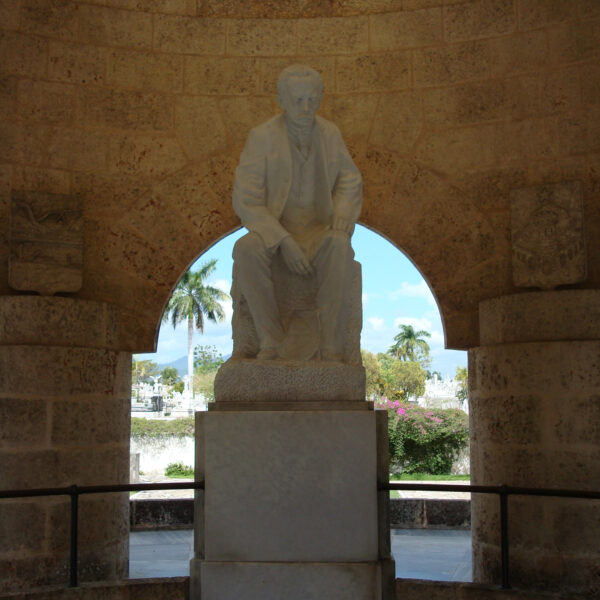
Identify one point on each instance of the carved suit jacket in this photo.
(264, 176)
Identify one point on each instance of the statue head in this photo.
(299, 93)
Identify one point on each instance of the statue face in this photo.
(301, 100)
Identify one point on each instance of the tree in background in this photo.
(462, 376)
(410, 346)
(207, 360)
(401, 379)
(374, 383)
(192, 300)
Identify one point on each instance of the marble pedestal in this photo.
(290, 507)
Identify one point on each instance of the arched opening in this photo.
(394, 294)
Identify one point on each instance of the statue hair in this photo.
(298, 71)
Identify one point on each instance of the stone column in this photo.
(65, 415)
(535, 421)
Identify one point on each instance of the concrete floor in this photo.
(442, 555)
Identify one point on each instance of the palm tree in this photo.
(409, 345)
(192, 300)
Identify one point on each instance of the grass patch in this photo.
(428, 477)
(156, 428)
(179, 471)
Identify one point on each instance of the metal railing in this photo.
(503, 492)
(74, 491)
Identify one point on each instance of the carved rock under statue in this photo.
(290, 434)
(296, 288)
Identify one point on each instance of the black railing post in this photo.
(504, 536)
(74, 494)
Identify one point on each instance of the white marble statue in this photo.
(299, 194)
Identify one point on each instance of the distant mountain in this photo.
(180, 364)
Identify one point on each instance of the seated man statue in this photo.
(299, 194)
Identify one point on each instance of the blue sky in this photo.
(393, 292)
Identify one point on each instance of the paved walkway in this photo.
(442, 555)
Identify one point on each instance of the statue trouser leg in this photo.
(253, 270)
(332, 263)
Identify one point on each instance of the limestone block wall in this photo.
(64, 414)
(142, 108)
(535, 422)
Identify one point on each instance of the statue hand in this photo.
(294, 257)
(341, 224)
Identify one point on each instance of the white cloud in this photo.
(365, 299)
(376, 323)
(413, 290)
(416, 323)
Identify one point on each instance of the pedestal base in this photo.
(239, 380)
(292, 581)
(291, 507)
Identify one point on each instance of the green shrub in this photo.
(156, 428)
(423, 440)
(179, 470)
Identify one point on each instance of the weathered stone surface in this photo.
(266, 37)
(114, 27)
(173, 588)
(406, 29)
(221, 75)
(272, 67)
(34, 179)
(76, 63)
(9, 14)
(288, 381)
(540, 316)
(374, 72)
(46, 243)
(179, 7)
(59, 371)
(83, 421)
(199, 126)
(28, 419)
(479, 19)
(24, 143)
(240, 114)
(49, 102)
(459, 149)
(548, 247)
(344, 35)
(56, 19)
(288, 9)
(536, 13)
(145, 154)
(189, 35)
(473, 102)
(353, 115)
(77, 149)
(146, 71)
(125, 110)
(397, 122)
(14, 540)
(519, 52)
(23, 54)
(451, 63)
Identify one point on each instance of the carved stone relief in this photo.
(548, 246)
(46, 242)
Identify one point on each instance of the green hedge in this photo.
(155, 428)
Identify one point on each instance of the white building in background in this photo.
(441, 393)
